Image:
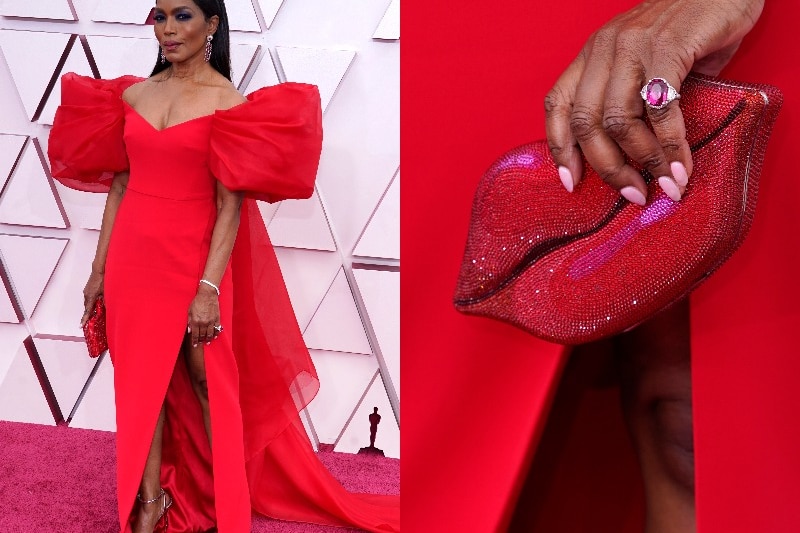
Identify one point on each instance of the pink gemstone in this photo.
(657, 92)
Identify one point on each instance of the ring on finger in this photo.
(657, 93)
(218, 328)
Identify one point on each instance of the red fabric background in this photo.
(474, 78)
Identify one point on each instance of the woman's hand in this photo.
(204, 315)
(92, 291)
(596, 108)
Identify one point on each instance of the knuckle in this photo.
(556, 101)
(604, 37)
(671, 145)
(630, 39)
(557, 151)
(609, 174)
(652, 161)
(660, 117)
(617, 124)
(584, 124)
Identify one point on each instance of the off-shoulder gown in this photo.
(258, 370)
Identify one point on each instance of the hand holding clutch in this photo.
(576, 267)
(95, 329)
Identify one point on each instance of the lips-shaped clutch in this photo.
(576, 267)
(95, 329)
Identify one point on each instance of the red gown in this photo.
(482, 390)
(259, 372)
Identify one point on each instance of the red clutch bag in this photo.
(95, 329)
(576, 267)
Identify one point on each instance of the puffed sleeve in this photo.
(269, 146)
(86, 146)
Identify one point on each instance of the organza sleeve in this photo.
(269, 146)
(86, 147)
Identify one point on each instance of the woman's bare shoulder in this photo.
(227, 94)
(132, 94)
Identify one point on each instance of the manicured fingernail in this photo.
(194, 345)
(566, 178)
(189, 329)
(669, 187)
(679, 173)
(633, 195)
(208, 343)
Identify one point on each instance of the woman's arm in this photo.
(204, 310)
(94, 287)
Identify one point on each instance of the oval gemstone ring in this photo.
(658, 93)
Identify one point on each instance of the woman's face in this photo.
(181, 29)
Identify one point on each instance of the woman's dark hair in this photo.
(221, 45)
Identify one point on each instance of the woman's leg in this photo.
(655, 372)
(195, 363)
(150, 487)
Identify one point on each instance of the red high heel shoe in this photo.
(162, 524)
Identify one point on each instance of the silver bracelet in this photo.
(210, 285)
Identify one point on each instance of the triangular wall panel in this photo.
(25, 48)
(38, 9)
(128, 12)
(10, 150)
(30, 262)
(301, 224)
(13, 336)
(269, 9)
(389, 28)
(67, 365)
(380, 291)
(267, 211)
(97, 409)
(76, 62)
(323, 67)
(8, 314)
(308, 274)
(84, 210)
(61, 305)
(336, 326)
(381, 238)
(117, 56)
(356, 436)
(21, 395)
(242, 16)
(264, 76)
(242, 57)
(29, 196)
(344, 379)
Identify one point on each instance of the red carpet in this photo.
(62, 480)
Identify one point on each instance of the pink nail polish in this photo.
(633, 195)
(566, 178)
(670, 188)
(679, 173)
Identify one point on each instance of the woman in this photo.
(503, 382)
(207, 352)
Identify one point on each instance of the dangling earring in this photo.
(208, 48)
(163, 57)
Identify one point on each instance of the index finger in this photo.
(560, 139)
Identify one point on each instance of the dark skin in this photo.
(189, 89)
(595, 109)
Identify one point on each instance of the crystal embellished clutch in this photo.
(95, 329)
(576, 267)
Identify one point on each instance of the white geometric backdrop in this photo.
(339, 250)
